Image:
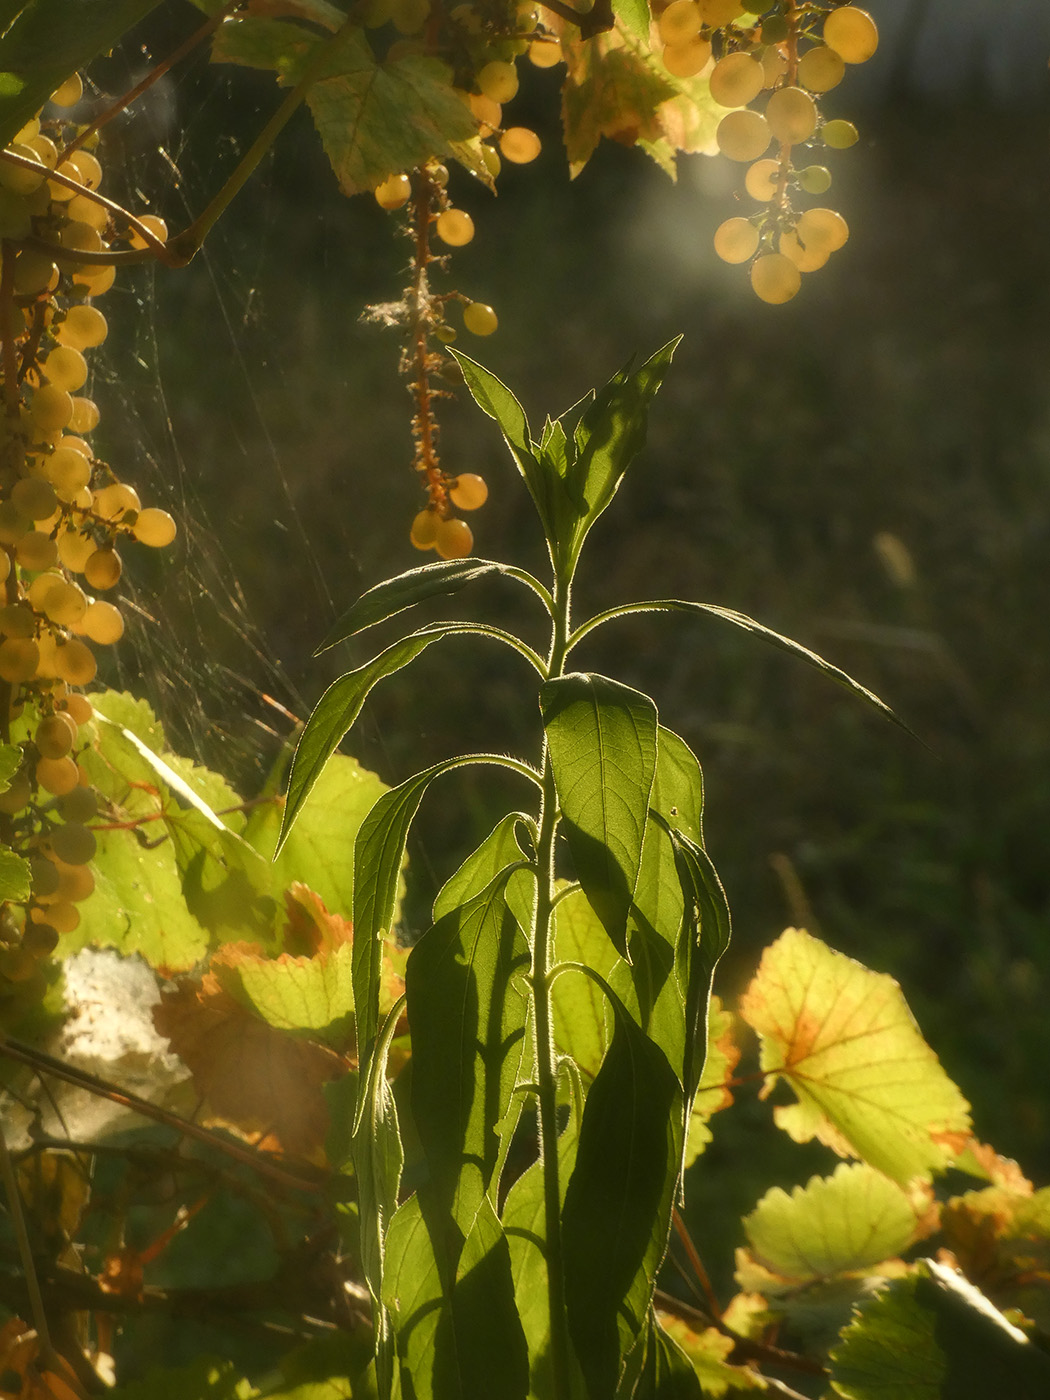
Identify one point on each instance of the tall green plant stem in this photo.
(546, 1058)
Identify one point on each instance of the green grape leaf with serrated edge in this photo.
(845, 1223)
(14, 876)
(374, 119)
(843, 1038)
(934, 1336)
(611, 90)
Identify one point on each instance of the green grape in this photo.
(51, 409)
(68, 471)
(34, 273)
(69, 93)
(81, 238)
(519, 145)
(424, 529)
(736, 240)
(94, 278)
(103, 567)
(17, 620)
(55, 736)
(86, 210)
(89, 171)
(39, 939)
(468, 491)
(762, 179)
(852, 33)
(75, 549)
(80, 805)
(743, 135)
(806, 257)
(73, 843)
(454, 539)
(85, 415)
(820, 69)
(78, 707)
(75, 663)
(839, 134)
(393, 192)
(822, 228)
(479, 319)
(36, 551)
(66, 368)
(17, 178)
(62, 916)
(13, 524)
(75, 882)
(44, 877)
(454, 227)
(792, 115)
(154, 527)
(154, 224)
(61, 601)
(680, 22)
(114, 501)
(775, 278)
(83, 328)
(57, 775)
(775, 29)
(736, 80)
(102, 623)
(15, 797)
(687, 60)
(719, 13)
(34, 498)
(498, 81)
(815, 179)
(45, 149)
(546, 53)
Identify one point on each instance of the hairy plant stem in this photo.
(546, 1058)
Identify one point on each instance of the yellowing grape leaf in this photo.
(709, 1351)
(846, 1223)
(1001, 1240)
(262, 1082)
(374, 119)
(867, 1083)
(292, 994)
(714, 1093)
(611, 89)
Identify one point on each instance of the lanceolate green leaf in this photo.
(49, 40)
(340, 705)
(747, 624)
(396, 595)
(667, 1373)
(579, 1004)
(704, 938)
(468, 1036)
(378, 855)
(602, 742)
(502, 847)
(610, 434)
(618, 1202)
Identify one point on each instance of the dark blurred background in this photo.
(866, 469)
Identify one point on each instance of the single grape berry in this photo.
(468, 491)
(519, 145)
(498, 81)
(823, 228)
(479, 319)
(736, 240)
(423, 533)
(743, 135)
(792, 115)
(736, 80)
(69, 93)
(775, 278)
(852, 33)
(688, 59)
(454, 227)
(454, 540)
(154, 225)
(839, 134)
(154, 527)
(680, 22)
(394, 192)
(815, 179)
(820, 69)
(57, 775)
(73, 843)
(762, 179)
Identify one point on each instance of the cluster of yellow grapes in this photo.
(63, 512)
(772, 64)
(482, 42)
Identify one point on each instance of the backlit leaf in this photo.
(10, 762)
(610, 90)
(723, 1055)
(667, 1373)
(709, 1352)
(934, 1336)
(867, 1083)
(202, 1379)
(14, 876)
(292, 993)
(845, 1223)
(602, 740)
(582, 1017)
(618, 1203)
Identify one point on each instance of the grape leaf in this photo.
(10, 762)
(723, 1055)
(832, 1029)
(610, 90)
(709, 1352)
(256, 1079)
(49, 40)
(201, 1379)
(290, 993)
(14, 876)
(934, 1336)
(374, 119)
(845, 1223)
